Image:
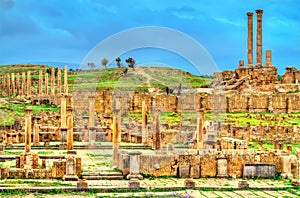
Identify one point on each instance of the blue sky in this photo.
(67, 30)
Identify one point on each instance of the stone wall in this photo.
(280, 102)
(203, 163)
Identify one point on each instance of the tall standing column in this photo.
(116, 140)
(63, 121)
(200, 124)
(268, 58)
(13, 85)
(66, 88)
(70, 129)
(23, 84)
(250, 38)
(28, 84)
(156, 130)
(40, 82)
(36, 131)
(46, 84)
(52, 81)
(28, 113)
(144, 124)
(4, 85)
(18, 84)
(91, 125)
(259, 37)
(59, 81)
(8, 85)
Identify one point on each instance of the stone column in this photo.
(3, 85)
(134, 158)
(200, 125)
(1, 144)
(66, 88)
(289, 107)
(156, 130)
(63, 121)
(259, 37)
(250, 38)
(52, 81)
(13, 85)
(286, 167)
(63, 111)
(28, 113)
(268, 58)
(23, 84)
(144, 124)
(59, 81)
(40, 82)
(116, 141)
(91, 125)
(18, 84)
(46, 84)
(70, 129)
(28, 84)
(8, 85)
(36, 131)
(241, 64)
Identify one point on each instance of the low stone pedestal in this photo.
(134, 183)
(62, 146)
(46, 142)
(82, 184)
(71, 166)
(1, 149)
(189, 183)
(243, 184)
(296, 182)
(70, 178)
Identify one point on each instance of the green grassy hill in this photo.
(141, 79)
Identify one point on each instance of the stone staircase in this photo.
(103, 176)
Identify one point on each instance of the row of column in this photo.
(13, 85)
(258, 41)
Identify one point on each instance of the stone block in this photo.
(82, 184)
(78, 166)
(195, 171)
(243, 184)
(134, 184)
(189, 183)
(184, 171)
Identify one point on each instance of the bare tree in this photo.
(104, 62)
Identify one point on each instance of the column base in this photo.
(296, 182)
(189, 183)
(131, 176)
(63, 146)
(134, 184)
(70, 178)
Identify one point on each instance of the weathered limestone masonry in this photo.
(28, 84)
(63, 126)
(70, 128)
(278, 102)
(291, 76)
(23, 84)
(145, 137)
(250, 38)
(66, 87)
(91, 124)
(259, 38)
(52, 81)
(212, 163)
(40, 83)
